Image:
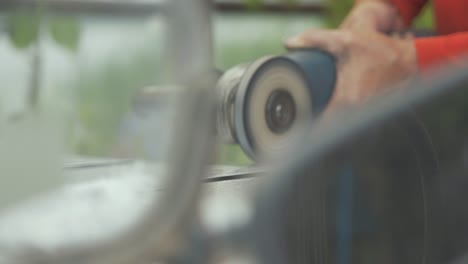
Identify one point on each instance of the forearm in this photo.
(435, 50)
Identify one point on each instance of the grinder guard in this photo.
(262, 102)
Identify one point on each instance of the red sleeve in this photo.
(435, 50)
(409, 9)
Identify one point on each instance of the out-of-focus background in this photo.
(93, 62)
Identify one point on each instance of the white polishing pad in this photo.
(265, 80)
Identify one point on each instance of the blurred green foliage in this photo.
(426, 19)
(23, 29)
(104, 96)
(338, 9)
(256, 4)
(65, 30)
(26, 29)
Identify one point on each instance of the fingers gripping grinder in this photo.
(262, 104)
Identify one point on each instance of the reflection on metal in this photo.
(89, 208)
(86, 210)
(85, 163)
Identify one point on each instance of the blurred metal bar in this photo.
(87, 6)
(190, 41)
(137, 8)
(271, 8)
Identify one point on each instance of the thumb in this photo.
(332, 41)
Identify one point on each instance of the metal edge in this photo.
(240, 115)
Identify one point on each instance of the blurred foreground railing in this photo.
(188, 67)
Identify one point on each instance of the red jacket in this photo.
(452, 22)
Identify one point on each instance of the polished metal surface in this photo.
(100, 200)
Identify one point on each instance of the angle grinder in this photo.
(263, 104)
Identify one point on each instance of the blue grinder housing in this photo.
(320, 70)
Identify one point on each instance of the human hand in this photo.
(367, 62)
(373, 15)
